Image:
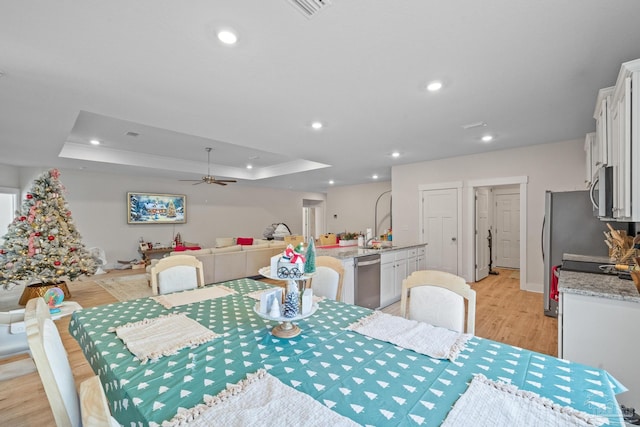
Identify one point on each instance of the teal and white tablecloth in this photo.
(372, 382)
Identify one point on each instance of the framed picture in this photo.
(144, 247)
(154, 208)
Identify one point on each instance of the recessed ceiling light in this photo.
(434, 86)
(249, 167)
(317, 125)
(331, 182)
(487, 138)
(395, 154)
(227, 37)
(375, 177)
(94, 142)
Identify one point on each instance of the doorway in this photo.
(475, 256)
(483, 225)
(312, 218)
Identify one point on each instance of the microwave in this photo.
(601, 193)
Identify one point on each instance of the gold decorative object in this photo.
(39, 289)
(621, 246)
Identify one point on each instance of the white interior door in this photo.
(440, 229)
(482, 233)
(507, 239)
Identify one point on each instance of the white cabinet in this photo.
(393, 270)
(602, 332)
(625, 142)
(412, 260)
(387, 278)
(421, 260)
(601, 151)
(416, 259)
(348, 281)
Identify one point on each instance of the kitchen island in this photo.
(397, 262)
(598, 323)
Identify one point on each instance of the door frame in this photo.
(522, 181)
(458, 185)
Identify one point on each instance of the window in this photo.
(8, 206)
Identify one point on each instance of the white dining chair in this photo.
(176, 273)
(50, 357)
(327, 280)
(438, 298)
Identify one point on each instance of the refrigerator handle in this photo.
(544, 219)
(594, 202)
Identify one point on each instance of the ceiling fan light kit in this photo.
(208, 179)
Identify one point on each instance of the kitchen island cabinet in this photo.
(598, 321)
(396, 262)
(393, 270)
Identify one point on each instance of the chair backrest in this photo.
(51, 360)
(437, 297)
(328, 278)
(176, 273)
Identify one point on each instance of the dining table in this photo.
(369, 381)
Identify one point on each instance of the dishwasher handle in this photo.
(375, 261)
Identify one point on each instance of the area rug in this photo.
(125, 288)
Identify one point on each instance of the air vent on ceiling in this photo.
(473, 125)
(310, 7)
(132, 134)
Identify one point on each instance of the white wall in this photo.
(99, 208)
(9, 176)
(354, 207)
(557, 166)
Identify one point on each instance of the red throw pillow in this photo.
(179, 249)
(244, 240)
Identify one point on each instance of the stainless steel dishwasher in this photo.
(367, 281)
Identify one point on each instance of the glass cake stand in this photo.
(286, 328)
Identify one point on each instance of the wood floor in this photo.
(503, 313)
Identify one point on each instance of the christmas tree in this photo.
(171, 210)
(310, 258)
(42, 243)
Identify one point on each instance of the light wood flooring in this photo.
(503, 313)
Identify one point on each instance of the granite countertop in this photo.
(598, 285)
(344, 252)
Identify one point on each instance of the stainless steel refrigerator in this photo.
(569, 226)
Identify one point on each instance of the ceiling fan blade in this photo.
(208, 179)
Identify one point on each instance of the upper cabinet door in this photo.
(623, 129)
(603, 128)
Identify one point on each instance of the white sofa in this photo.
(235, 261)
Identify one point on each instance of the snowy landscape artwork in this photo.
(152, 208)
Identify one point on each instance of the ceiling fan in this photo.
(208, 179)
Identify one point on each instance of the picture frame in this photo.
(144, 247)
(156, 208)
